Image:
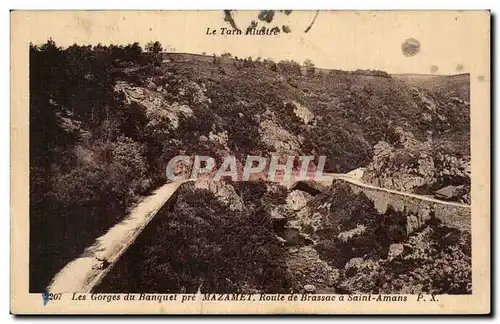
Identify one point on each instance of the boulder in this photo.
(224, 192)
(273, 135)
(411, 224)
(302, 112)
(426, 117)
(358, 264)
(347, 235)
(394, 251)
(282, 212)
(297, 199)
(310, 288)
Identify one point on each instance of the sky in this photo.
(343, 40)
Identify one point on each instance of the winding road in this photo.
(358, 182)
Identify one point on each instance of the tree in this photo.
(289, 67)
(84, 172)
(133, 52)
(155, 49)
(310, 68)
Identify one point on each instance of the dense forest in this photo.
(90, 156)
(105, 120)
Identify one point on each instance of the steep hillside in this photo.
(450, 85)
(380, 252)
(263, 107)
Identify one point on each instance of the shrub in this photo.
(289, 66)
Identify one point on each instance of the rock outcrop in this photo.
(303, 113)
(158, 109)
(223, 191)
(279, 138)
(436, 260)
(410, 165)
(298, 199)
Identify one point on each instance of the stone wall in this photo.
(452, 215)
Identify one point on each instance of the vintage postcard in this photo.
(250, 162)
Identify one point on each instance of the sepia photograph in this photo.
(255, 161)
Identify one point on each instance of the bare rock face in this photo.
(415, 221)
(280, 139)
(395, 250)
(356, 265)
(282, 212)
(453, 166)
(223, 191)
(298, 199)
(427, 263)
(410, 164)
(411, 224)
(303, 112)
(403, 169)
(426, 117)
(429, 104)
(196, 93)
(347, 235)
(158, 110)
(182, 169)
